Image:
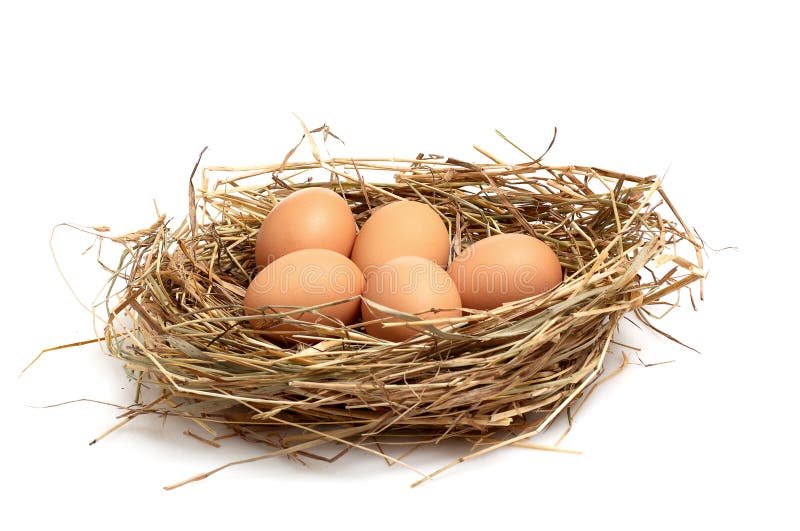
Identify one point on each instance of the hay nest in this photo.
(493, 378)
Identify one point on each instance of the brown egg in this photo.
(504, 268)
(311, 218)
(408, 284)
(305, 278)
(401, 228)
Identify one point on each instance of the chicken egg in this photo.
(408, 284)
(311, 218)
(401, 228)
(301, 279)
(504, 268)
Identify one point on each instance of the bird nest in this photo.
(493, 378)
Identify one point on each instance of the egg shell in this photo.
(504, 268)
(301, 279)
(408, 284)
(401, 228)
(311, 218)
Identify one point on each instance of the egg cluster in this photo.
(316, 265)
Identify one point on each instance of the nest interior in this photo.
(496, 377)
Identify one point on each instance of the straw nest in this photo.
(492, 378)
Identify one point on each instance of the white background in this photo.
(104, 107)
